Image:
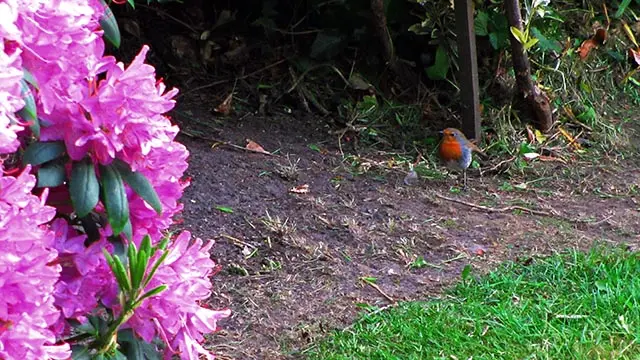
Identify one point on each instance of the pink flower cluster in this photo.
(27, 278)
(106, 111)
(174, 315)
(10, 75)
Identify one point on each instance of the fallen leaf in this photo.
(551, 158)
(357, 82)
(540, 137)
(314, 147)
(254, 146)
(634, 54)
(225, 107)
(530, 134)
(572, 140)
(586, 48)
(300, 189)
(521, 186)
(224, 209)
(246, 251)
(629, 33)
(599, 38)
(477, 250)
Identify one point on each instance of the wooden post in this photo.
(468, 75)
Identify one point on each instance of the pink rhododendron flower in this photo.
(10, 75)
(121, 113)
(62, 43)
(86, 277)
(164, 167)
(175, 315)
(27, 278)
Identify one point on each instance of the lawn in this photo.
(569, 306)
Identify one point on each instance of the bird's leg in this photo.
(464, 183)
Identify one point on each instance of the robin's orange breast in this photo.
(450, 150)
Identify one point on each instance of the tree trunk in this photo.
(535, 98)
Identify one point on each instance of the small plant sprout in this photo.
(133, 274)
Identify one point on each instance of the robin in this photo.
(456, 151)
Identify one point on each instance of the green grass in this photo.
(571, 306)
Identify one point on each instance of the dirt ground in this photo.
(293, 263)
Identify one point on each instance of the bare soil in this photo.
(293, 263)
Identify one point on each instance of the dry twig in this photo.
(587, 222)
(375, 286)
(220, 142)
(237, 241)
(496, 210)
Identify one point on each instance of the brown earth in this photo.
(293, 263)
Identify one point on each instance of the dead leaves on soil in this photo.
(598, 39)
(225, 107)
(255, 147)
(300, 189)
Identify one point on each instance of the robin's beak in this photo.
(441, 132)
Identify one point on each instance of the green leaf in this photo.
(439, 70)
(83, 187)
(135, 348)
(155, 268)
(494, 40)
(519, 35)
(525, 148)
(118, 270)
(119, 249)
(145, 245)
(481, 23)
(116, 355)
(51, 174)
(28, 77)
(588, 116)
(121, 274)
(616, 55)
(80, 352)
(466, 272)
(132, 3)
(545, 43)
(314, 147)
(41, 152)
(128, 230)
(29, 112)
(224, 209)
(418, 263)
(369, 279)
(114, 198)
(138, 260)
(621, 9)
(132, 255)
(153, 292)
(163, 244)
(531, 43)
(140, 184)
(326, 45)
(110, 26)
